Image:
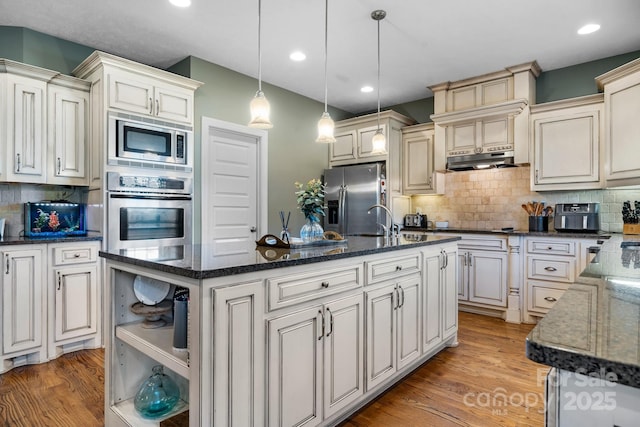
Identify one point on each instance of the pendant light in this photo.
(325, 124)
(378, 142)
(260, 108)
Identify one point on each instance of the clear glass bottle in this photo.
(157, 396)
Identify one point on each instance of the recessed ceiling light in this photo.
(589, 28)
(366, 89)
(297, 56)
(181, 3)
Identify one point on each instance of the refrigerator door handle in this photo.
(342, 220)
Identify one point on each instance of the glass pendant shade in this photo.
(260, 110)
(379, 143)
(325, 129)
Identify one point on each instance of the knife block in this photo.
(631, 228)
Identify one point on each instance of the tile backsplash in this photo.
(13, 196)
(491, 199)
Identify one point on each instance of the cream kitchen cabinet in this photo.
(622, 124)
(74, 310)
(440, 300)
(482, 262)
(68, 131)
(567, 129)
(418, 168)
(551, 265)
(393, 322)
(23, 306)
(353, 144)
(147, 95)
(315, 361)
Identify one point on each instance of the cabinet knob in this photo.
(325, 284)
(550, 268)
(76, 255)
(550, 299)
(398, 267)
(550, 248)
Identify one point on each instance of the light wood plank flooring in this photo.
(485, 381)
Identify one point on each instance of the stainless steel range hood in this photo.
(480, 161)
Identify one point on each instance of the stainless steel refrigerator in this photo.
(350, 191)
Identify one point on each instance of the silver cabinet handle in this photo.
(324, 284)
(18, 160)
(330, 322)
(157, 107)
(536, 180)
(445, 256)
(7, 258)
(402, 292)
(150, 105)
(59, 280)
(396, 293)
(550, 268)
(321, 315)
(550, 299)
(59, 165)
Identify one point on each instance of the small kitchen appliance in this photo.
(583, 217)
(415, 220)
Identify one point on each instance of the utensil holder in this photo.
(538, 223)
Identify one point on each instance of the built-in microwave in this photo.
(141, 142)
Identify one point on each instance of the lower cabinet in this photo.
(50, 301)
(393, 327)
(314, 362)
(23, 306)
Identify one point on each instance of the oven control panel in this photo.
(156, 184)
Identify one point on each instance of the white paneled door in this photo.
(233, 183)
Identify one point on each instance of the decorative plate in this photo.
(150, 291)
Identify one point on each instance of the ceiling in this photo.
(422, 42)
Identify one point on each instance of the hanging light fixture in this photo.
(260, 108)
(325, 124)
(378, 142)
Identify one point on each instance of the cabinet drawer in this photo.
(479, 242)
(289, 290)
(542, 297)
(74, 255)
(551, 268)
(385, 269)
(551, 247)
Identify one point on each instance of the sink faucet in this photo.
(391, 230)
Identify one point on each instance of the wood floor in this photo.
(485, 381)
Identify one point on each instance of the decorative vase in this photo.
(157, 396)
(312, 230)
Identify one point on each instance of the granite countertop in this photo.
(573, 234)
(594, 328)
(200, 263)
(13, 240)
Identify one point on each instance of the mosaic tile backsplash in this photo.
(491, 199)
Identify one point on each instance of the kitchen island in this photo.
(591, 339)
(282, 336)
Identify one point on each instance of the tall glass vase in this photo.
(312, 230)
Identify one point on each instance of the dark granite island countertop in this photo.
(594, 328)
(201, 262)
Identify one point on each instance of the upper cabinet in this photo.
(485, 114)
(353, 144)
(567, 129)
(45, 122)
(622, 124)
(418, 173)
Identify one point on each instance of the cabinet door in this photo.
(488, 278)
(131, 93)
(22, 303)
(432, 312)
(173, 104)
(461, 139)
(408, 323)
(381, 334)
(294, 368)
(68, 118)
(450, 292)
(463, 277)
(343, 353)
(622, 101)
(345, 146)
(571, 134)
(418, 162)
(26, 124)
(76, 301)
(238, 333)
(365, 135)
